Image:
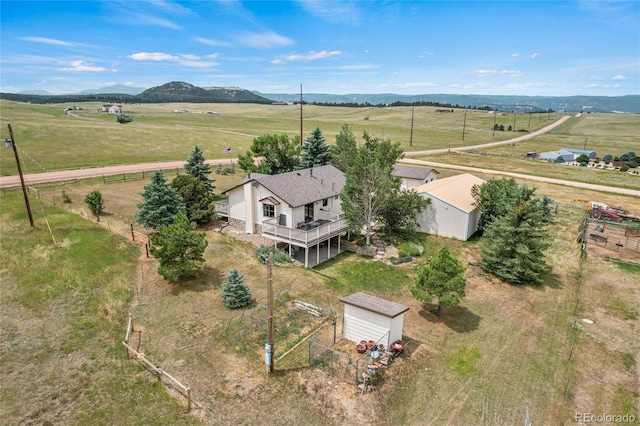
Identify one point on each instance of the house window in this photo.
(308, 212)
(268, 210)
(325, 202)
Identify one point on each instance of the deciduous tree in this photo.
(344, 148)
(280, 154)
(369, 184)
(443, 278)
(93, 200)
(198, 201)
(178, 248)
(401, 209)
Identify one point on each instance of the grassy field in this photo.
(89, 138)
(505, 349)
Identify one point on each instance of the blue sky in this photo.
(549, 48)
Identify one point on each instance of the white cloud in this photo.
(46, 41)
(210, 42)
(82, 66)
(153, 56)
(491, 73)
(265, 40)
(515, 55)
(595, 78)
(312, 56)
(188, 60)
(534, 55)
(333, 10)
(619, 77)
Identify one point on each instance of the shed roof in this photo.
(375, 304)
(301, 187)
(454, 190)
(410, 172)
(578, 151)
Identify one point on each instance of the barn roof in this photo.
(454, 190)
(375, 304)
(411, 172)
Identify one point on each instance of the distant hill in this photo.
(608, 104)
(36, 92)
(178, 91)
(116, 88)
(175, 91)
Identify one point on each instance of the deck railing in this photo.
(222, 208)
(271, 228)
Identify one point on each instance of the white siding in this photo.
(395, 332)
(443, 219)
(360, 324)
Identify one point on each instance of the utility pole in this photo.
(585, 143)
(411, 135)
(464, 125)
(529, 125)
(301, 114)
(24, 187)
(269, 345)
(514, 122)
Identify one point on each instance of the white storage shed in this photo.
(368, 317)
(451, 213)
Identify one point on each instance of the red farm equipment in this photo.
(603, 213)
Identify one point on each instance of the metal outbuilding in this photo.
(451, 212)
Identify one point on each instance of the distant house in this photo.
(555, 155)
(111, 108)
(300, 210)
(368, 317)
(451, 212)
(414, 176)
(579, 152)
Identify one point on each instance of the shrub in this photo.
(410, 249)
(124, 118)
(65, 197)
(279, 257)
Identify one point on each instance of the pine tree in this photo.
(234, 293)
(315, 151)
(196, 167)
(513, 246)
(443, 278)
(161, 203)
(178, 248)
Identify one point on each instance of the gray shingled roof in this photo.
(375, 304)
(411, 172)
(301, 187)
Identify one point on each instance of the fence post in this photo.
(133, 237)
(104, 180)
(188, 399)
(146, 247)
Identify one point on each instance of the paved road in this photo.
(11, 181)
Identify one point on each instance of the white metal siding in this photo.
(395, 332)
(360, 324)
(443, 219)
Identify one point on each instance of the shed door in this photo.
(356, 329)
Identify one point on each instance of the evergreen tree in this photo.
(199, 202)
(513, 246)
(93, 200)
(315, 151)
(196, 167)
(369, 184)
(178, 248)
(494, 198)
(234, 293)
(442, 277)
(161, 203)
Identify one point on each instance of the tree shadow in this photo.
(458, 318)
(207, 278)
(549, 279)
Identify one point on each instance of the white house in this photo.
(368, 317)
(412, 177)
(112, 109)
(300, 210)
(451, 212)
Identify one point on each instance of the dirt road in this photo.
(64, 175)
